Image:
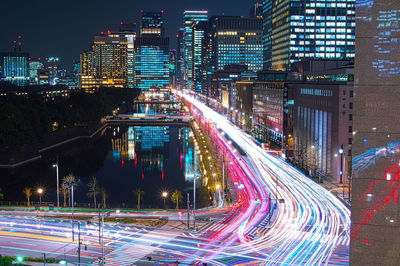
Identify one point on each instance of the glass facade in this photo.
(191, 43)
(15, 68)
(237, 41)
(301, 29)
(152, 23)
(152, 64)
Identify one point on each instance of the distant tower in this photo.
(152, 24)
(256, 11)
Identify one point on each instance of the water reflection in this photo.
(123, 159)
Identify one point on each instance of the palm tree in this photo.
(177, 198)
(139, 195)
(28, 193)
(65, 190)
(104, 196)
(67, 183)
(93, 190)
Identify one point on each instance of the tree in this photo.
(93, 190)
(139, 195)
(67, 183)
(104, 197)
(176, 197)
(28, 193)
(65, 191)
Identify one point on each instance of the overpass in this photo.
(156, 102)
(149, 120)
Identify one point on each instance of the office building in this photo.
(180, 59)
(296, 30)
(320, 105)
(270, 114)
(191, 43)
(36, 67)
(128, 31)
(14, 67)
(53, 70)
(152, 24)
(152, 64)
(306, 113)
(105, 64)
(172, 67)
(152, 54)
(256, 11)
(375, 221)
(200, 57)
(236, 41)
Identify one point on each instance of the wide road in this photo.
(310, 226)
(280, 217)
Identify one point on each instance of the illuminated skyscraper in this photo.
(152, 65)
(179, 59)
(200, 55)
(172, 66)
(375, 234)
(36, 67)
(256, 11)
(128, 31)
(152, 58)
(152, 24)
(304, 29)
(190, 18)
(15, 68)
(236, 41)
(106, 64)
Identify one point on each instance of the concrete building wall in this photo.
(375, 235)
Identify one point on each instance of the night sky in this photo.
(65, 28)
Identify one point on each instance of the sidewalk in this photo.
(341, 191)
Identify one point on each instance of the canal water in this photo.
(122, 159)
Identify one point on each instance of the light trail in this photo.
(309, 225)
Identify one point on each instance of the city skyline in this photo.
(61, 34)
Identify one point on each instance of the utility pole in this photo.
(44, 259)
(188, 209)
(194, 190)
(99, 226)
(79, 243)
(72, 207)
(58, 183)
(223, 179)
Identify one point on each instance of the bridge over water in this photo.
(149, 120)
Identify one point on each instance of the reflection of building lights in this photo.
(369, 197)
(388, 176)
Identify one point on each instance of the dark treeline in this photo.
(28, 120)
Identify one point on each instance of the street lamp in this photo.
(341, 152)
(58, 184)
(164, 195)
(40, 192)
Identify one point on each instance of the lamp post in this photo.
(164, 195)
(58, 184)
(341, 152)
(40, 192)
